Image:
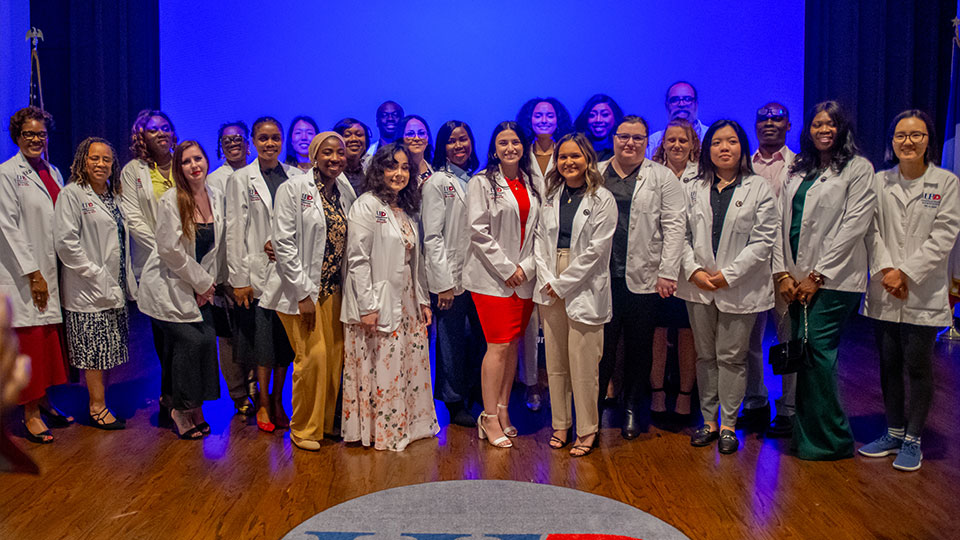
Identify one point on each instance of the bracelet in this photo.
(783, 277)
(816, 278)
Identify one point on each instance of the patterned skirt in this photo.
(97, 340)
(387, 395)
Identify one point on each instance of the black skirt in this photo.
(259, 338)
(188, 361)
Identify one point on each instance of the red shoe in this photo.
(266, 426)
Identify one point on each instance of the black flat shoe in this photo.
(99, 421)
(204, 428)
(703, 436)
(728, 442)
(44, 437)
(781, 427)
(54, 418)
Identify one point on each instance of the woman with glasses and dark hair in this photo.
(302, 130)
(499, 268)
(233, 147)
(387, 400)
(415, 136)
(908, 245)
(356, 136)
(460, 345)
(597, 120)
(260, 340)
(177, 286)
(732, 226)
(94, 248)
(29, 187)
(827, 205)
(574, 237)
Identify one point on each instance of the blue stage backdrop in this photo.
(472, 61)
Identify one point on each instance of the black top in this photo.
(719, 202)
(204, 237)
(622, 189)
(274, 177)
(569, 204)
(356, 178)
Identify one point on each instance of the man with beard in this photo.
(682, 103)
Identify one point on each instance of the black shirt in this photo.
(274, 177)
(719, 202)
(622, 189)
(569, 204)
(204, 240)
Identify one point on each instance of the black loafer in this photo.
(782, 426)
(728, 442)
(703, 436)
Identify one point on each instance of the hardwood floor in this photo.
(239, 483)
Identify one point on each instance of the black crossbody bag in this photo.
(792, 356)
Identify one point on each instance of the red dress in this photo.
(504, 319)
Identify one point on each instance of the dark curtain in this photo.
(100, 64)
(878, 58)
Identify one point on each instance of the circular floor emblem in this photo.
(482, 509)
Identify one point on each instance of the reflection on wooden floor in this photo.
(239, 483)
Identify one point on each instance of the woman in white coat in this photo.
(574, 237)
(310, 236)
(259, 338)
(499, 268)
(732, 225)
(908, 245)
(416, 138)
(29, 187)
(177, 285)
(97, 278)
(827, 205)
(387, 400)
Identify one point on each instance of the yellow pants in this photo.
(316, 369)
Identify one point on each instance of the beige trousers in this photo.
(573, 363)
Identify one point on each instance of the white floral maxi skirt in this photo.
(387, 394)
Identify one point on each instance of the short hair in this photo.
(185, 202)
(660, 154)
(844, 146)
(932, 154)
(786, 111)
(525, 117)
(708, 170)
(493, 162)
(240, 124)
(443, 136)
(409, 196)
(78, 170)
(631, 119)
(402, 126)
(20, 118)
(581, 123)
(137, 146)
(390, 101)
(666, 96)
(263, 120)
(554, 180)
(343, 125)
(291, 156)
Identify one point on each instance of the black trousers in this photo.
(909, 346)
(634, 321)
(460, 347)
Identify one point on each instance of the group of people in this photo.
(340, 256)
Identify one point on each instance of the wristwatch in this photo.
(816, 277)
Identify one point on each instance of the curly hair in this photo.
(185, 203)
(525, 117)
(554, 180)
(844, 145)
(78, 170)
(660, 155)
(238, 124)
(137, 144)
(385, 158)
(20, 118)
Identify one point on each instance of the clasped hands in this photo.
(707, 281)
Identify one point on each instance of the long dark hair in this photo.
(554, 180)
(402, 127)
(291, 156)
(185, 203)
(844, 146)
(78, 170)
(525, 117)
(581, 123)
(443, 137)
(932, 155)
(708, 171)
(409, 196)
(493, 162)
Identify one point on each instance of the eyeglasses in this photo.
(232, 139)
(41, 135)
(686, 100)
(626, 137)
(916, 137)
(415, 134)
(775, 114)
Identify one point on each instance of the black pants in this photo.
(189, 371)
(633, 319)
(460, 347)
(911, 346)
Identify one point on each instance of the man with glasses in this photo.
(389, 114)
(772, 161)
(681, 102)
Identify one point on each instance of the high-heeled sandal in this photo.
(557, 443)
(192, 434)
(502, 442)
(44, 437)
(509, 431)
(583, 450)
(54, 418)
(99, 421)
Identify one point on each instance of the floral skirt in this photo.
(387, 395)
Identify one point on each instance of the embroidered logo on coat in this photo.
(306, 200)
(23, 181)
(450, 193)
(496, 192)
(381, 216)
(254, 196)
(87, 208)
(930, 200)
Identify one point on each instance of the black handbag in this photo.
(792, 356)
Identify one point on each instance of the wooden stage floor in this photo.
(144, 483)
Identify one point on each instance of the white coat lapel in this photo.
(584, 209)
(91, 194)
(26, 171)
(260, 185)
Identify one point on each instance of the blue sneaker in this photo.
(909, 458)
(884, 446)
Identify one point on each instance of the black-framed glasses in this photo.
(232, 139)
(916, 137)
(686, 100)
(41, 135)
(776, 114)
(626, 137)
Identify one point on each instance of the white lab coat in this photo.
(249, 227)
(837, 212)
(585, 284)
(539, 179)
(746, 245)
(139, 207)
(219, 177)
(299, 241)
(495, 249)
(172, 276)
(375, 262)
(26, 241)
(89, 247)
(915, 236)
(656, 229)
(443, 217)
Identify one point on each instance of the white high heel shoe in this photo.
(502, 442)
(509, 431)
